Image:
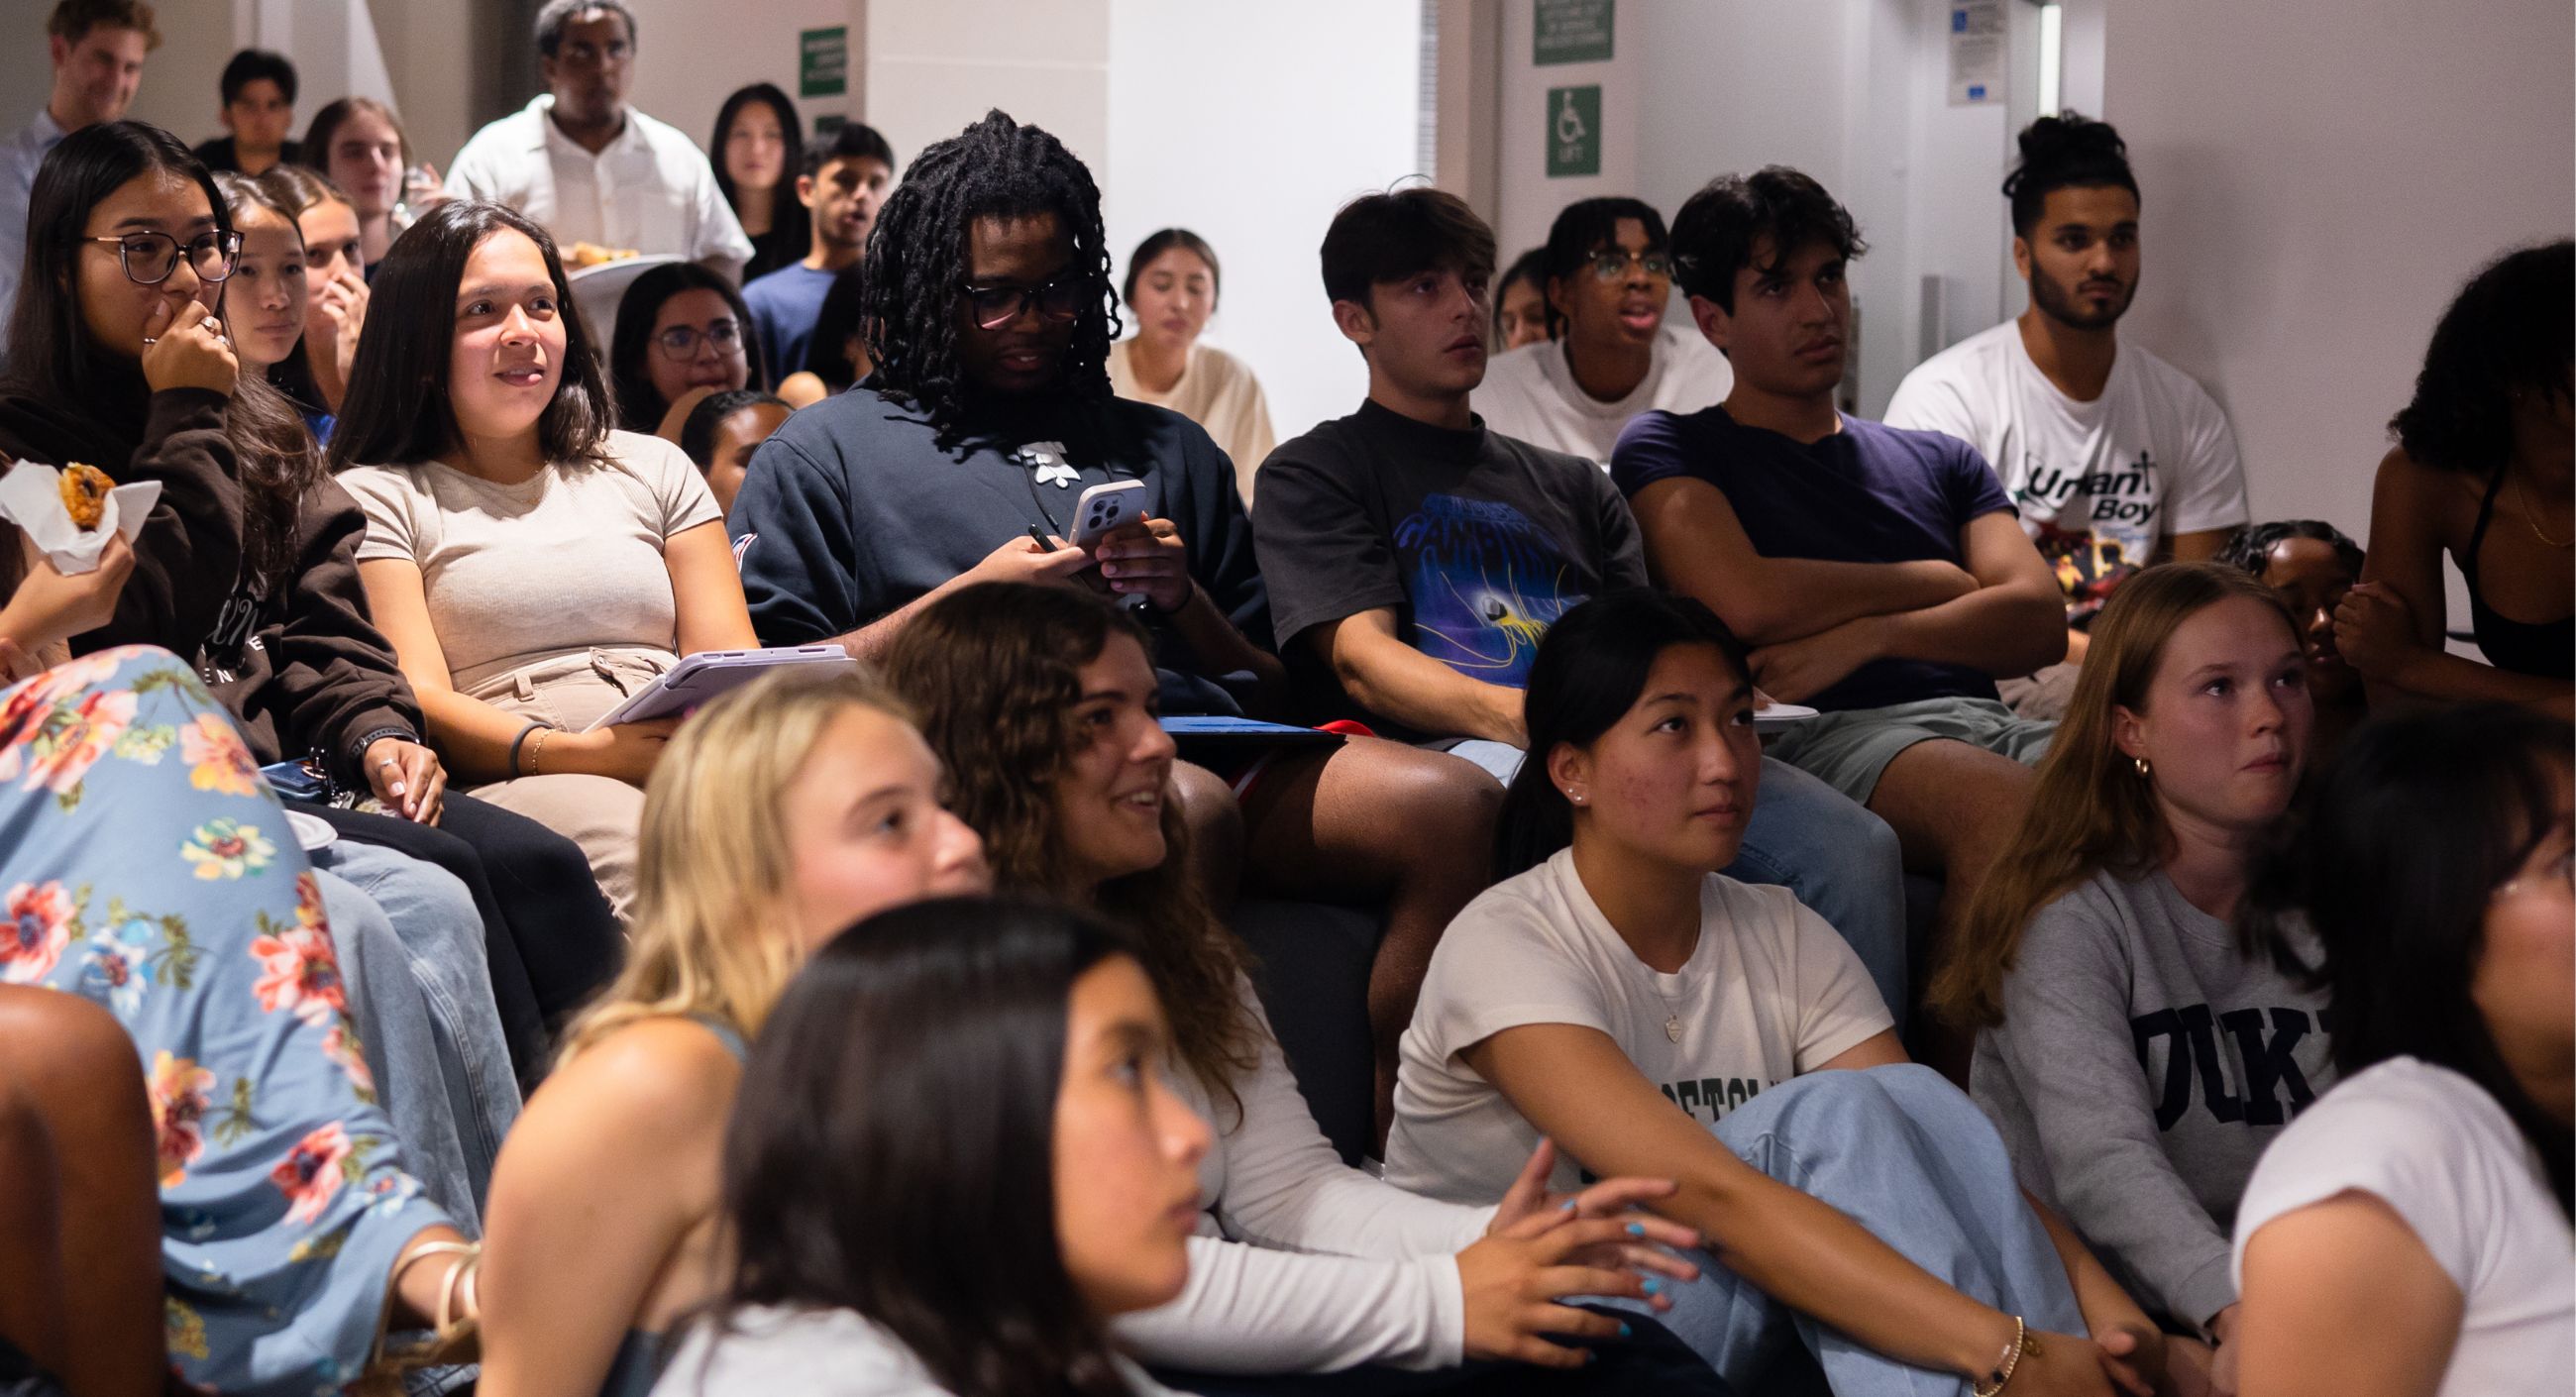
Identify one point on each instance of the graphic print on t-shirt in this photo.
(2177, 1044)
(1711, 1098)
(1485, 584)
(2095, 528)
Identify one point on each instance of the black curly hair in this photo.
(2509, 332)
(2067, 151)
(2250, 547)
(996, 168)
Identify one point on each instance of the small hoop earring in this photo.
(2141, 764)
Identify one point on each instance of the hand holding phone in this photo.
(1104, 509)
(1147, 558)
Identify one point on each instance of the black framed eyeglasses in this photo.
(150, 258)
(996, 306)
(681, 341)
(1613, 264)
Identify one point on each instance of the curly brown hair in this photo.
(995, 672)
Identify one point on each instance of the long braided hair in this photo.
(996, 168)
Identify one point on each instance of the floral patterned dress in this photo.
(148, 868)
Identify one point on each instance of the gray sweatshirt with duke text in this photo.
(2142, 1065)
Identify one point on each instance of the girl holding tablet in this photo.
(531, 565)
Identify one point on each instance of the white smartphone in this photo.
(1105, 508)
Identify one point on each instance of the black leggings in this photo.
(552, 941)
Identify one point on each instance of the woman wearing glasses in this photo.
(1607, 274)
(680, 328)
(481, 447)
(1172, 288)
(116, 359)
(254, 579)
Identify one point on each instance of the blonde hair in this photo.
(2091, 809)
(711, 938)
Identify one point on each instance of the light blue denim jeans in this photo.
(1841, 860)
(445, 1075)
(1909, 1157)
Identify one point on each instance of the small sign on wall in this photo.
(823, 62)
(1573, 131)
(1978, 49)
(1570, 31)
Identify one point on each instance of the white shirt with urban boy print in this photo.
(2098, 484)
(1770, 992)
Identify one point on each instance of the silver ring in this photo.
(391, 763)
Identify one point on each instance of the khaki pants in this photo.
(599, 813)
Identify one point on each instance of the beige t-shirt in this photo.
(1218, 392)
(565, 561)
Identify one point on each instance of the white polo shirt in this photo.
(650, 189)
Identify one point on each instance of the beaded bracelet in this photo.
(2024, 1342)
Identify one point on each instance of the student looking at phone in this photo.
(990, 314)
(502, 480)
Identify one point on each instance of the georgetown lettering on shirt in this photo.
(2260, 1083)
(1711, 1098)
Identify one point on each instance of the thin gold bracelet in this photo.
(537, 750)
(2024, 1342)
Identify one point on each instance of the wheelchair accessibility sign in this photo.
(1573, 131)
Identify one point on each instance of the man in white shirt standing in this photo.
(592, 169)
(1608, 275)
(97, 48)
(2115, 458)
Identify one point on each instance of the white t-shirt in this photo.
(2097, 483)
(569, 559)
(650, 189)
(1770, 992)
(2434, 1146)
(1530, 394)
(769, 1351)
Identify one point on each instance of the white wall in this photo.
(692, 54)
(1250, 125)
(935, 68)
(180, 88)
(2320, 177)
(26, 73)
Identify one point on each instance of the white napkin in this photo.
(31, 496)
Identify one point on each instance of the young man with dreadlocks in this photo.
(990, 314)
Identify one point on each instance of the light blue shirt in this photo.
(19, 160)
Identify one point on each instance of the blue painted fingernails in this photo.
(1636, 1229)
(1566, 1207)
(1654, 1286)
(1623, 1331)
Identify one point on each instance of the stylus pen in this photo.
(1038, 537)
